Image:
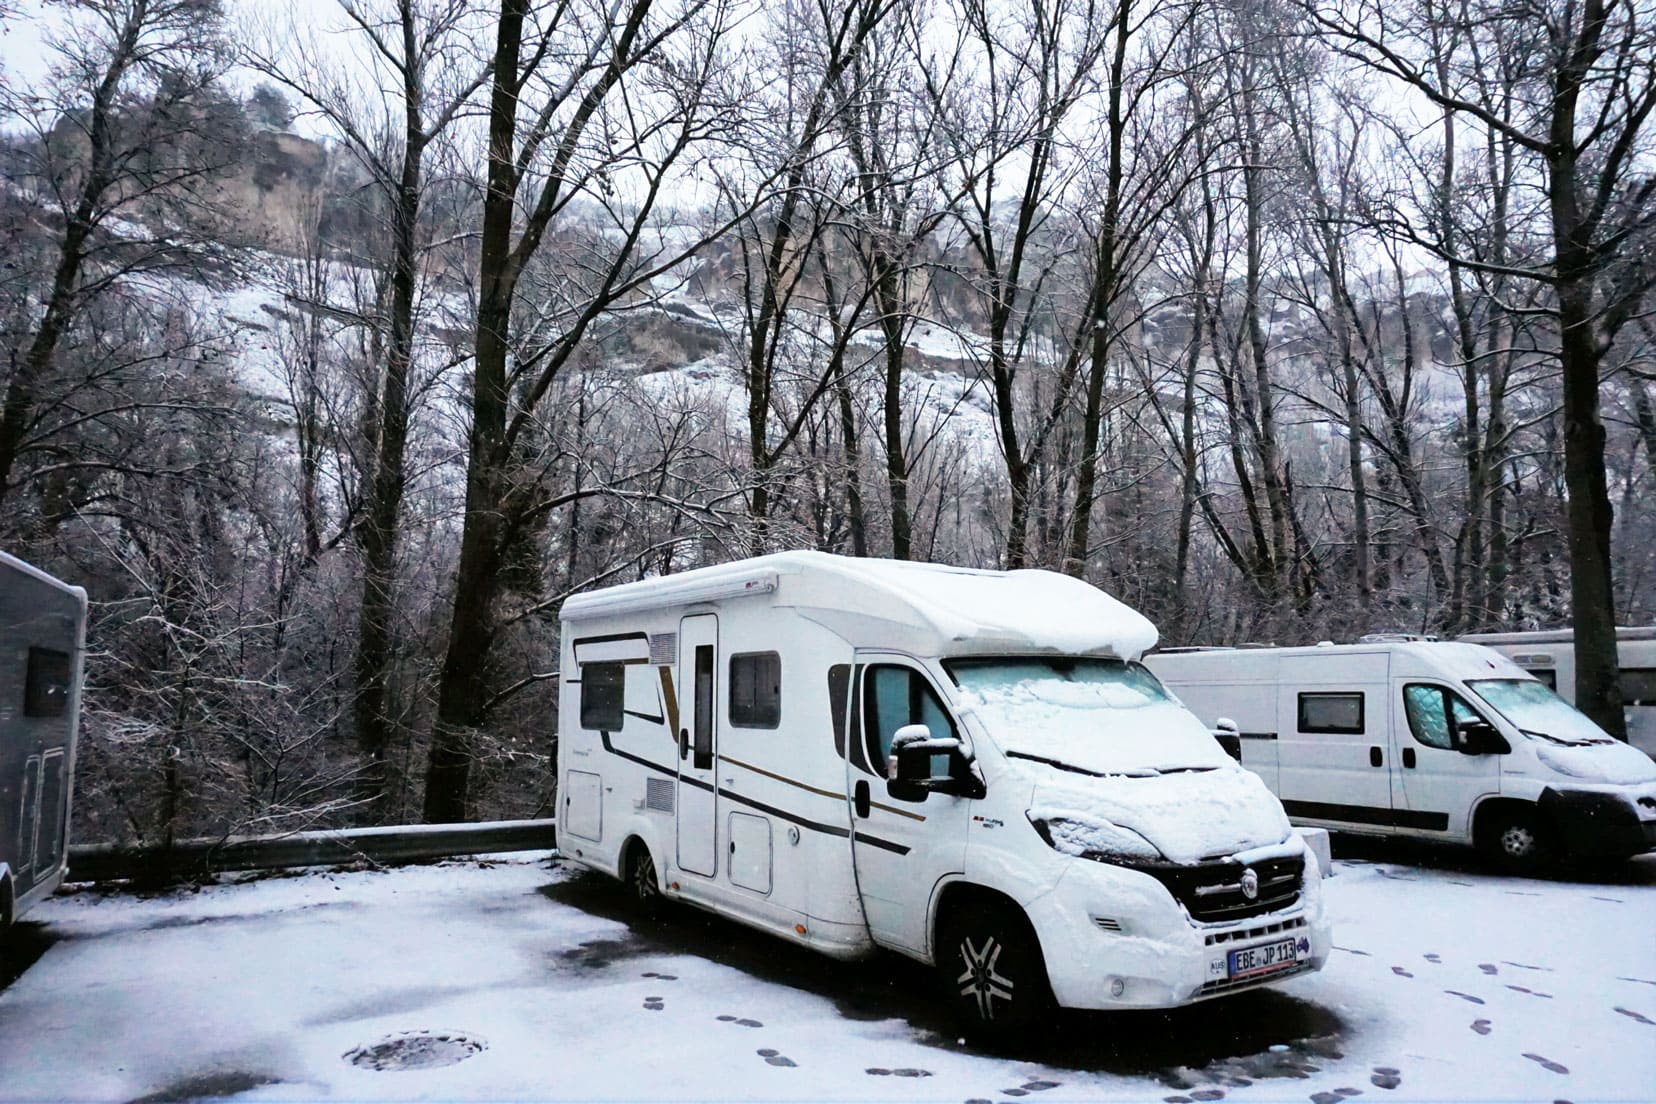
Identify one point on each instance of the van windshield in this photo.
(1095, 716)
(1537, 711)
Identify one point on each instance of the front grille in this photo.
(1239, 935)
(1212, 891)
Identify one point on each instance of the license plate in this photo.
(1264, 958)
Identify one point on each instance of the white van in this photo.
(968, 767)
(1550, 657)
(1443, 741)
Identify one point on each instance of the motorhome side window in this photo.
(46, 687)
(756, 690)
(1548, 677)
(1433, 714)
(1331, 712)
(603, 696)
(894, 697)
(1638, 685)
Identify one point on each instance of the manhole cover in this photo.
(415, 1050)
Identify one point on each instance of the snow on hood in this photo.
(1187, 816)
(1616, 763)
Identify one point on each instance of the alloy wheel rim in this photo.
(982, 981)
(1517, 840)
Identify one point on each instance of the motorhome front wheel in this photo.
(990, 963)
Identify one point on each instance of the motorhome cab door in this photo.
(1438, 783)
(698, 666)
(901, 848)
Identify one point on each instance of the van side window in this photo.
(46, 687)
(1638, 685)
(1433, 714)
(898, 696)
(603, 696)
(1335, 713)
(756, 690)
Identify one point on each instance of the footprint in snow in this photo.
(1612, 900)
(659, 977)
(1641, 981)
(1531, 992)
(1481, 1027)
(1433, 958)
(1208, 1094)
(1464, 996)
(1385, 1077)
(1547, 1063)
(1543, 969)
(771, 1057)
(1041, 1086)
(879, 1072)
(1519, 893)
(654, 1004)
(1401, 972)
(1354, 950)
(740, 1023)
(1630, 1014)
(1335, 1096)
(1488, 968)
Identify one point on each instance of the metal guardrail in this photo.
(99, 862)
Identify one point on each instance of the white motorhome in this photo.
(1443, 741)
(968, 767)
(42, 638)
(1550, 657)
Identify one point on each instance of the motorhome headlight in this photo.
(1091, 837)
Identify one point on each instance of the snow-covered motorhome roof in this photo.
(927, 609)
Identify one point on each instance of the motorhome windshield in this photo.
(1094, 716)
(1536, 710)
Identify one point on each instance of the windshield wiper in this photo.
(1061, 765)
(1136, 772)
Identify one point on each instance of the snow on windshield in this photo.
(1098, 715)
(1529, 705)
(1591, 754)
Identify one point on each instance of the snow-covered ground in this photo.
(1449, 984)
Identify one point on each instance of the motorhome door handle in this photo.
(684, 743)
(1409, 758)
(1374, 757)
(860, 799)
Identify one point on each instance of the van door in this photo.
(1438, 785)
(1333, 753)
(901, 849)
(698, 795)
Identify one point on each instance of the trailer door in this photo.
(698, 813)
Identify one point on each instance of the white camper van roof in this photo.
(926, 609)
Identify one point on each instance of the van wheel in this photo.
(642, 880)
(1520, 841)
(990, 963)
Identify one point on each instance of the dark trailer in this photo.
(42, 638)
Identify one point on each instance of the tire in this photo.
(1519, 840)
(643, 884)
(989, 961)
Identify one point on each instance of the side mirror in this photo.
(1479, 738)
(1229, 737)
(909, 767)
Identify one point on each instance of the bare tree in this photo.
(1590, 87)
(595, 106)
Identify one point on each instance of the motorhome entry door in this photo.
(698, 666)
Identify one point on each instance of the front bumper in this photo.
(1115, 938)
(1601, 823)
